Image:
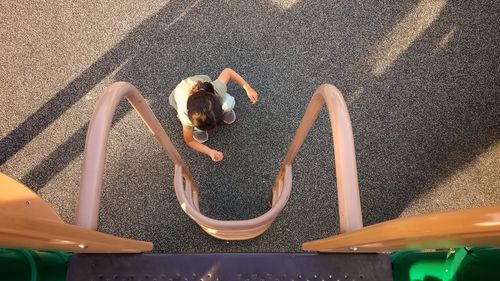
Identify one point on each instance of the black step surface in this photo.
(228, 267)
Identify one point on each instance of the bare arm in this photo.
(192, 143)
(230, 75)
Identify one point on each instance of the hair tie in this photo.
(201, 89)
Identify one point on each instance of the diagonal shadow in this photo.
(414, 125)
(130, 47)
(62, 101)
(136, 41)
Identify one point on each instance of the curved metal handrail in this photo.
(95, 147)
(185, 188)
(347, 181)
(232, 229)
(349, 204)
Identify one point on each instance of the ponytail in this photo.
(204, 108)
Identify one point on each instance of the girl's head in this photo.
(204, 107)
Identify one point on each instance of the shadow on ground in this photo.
(429, 114)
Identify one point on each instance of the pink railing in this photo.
(185, 187)
(95, 147)
(345, 157)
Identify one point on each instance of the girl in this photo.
(202, 104)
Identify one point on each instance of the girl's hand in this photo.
(216, 155)
(251, 93)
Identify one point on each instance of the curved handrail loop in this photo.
(187, 191)
(95, 147)
(349, 204)
(347, 181)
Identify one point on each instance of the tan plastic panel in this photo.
(470, 227)
(29, 232)
(18, 199)
(26, 221)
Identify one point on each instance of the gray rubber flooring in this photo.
(421, 79)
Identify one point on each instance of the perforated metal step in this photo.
(229, 267)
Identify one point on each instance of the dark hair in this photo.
(204, 107)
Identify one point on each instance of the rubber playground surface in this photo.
(421, 80)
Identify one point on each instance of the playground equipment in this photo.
(26, 221)
(187, 190)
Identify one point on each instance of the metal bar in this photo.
(95, 147)
(91, 181)
(238, 229)
(345, 159)
(234, 266)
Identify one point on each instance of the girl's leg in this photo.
(228, 105)
(229, 117)
(200, 135)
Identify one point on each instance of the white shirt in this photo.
(183, 90)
